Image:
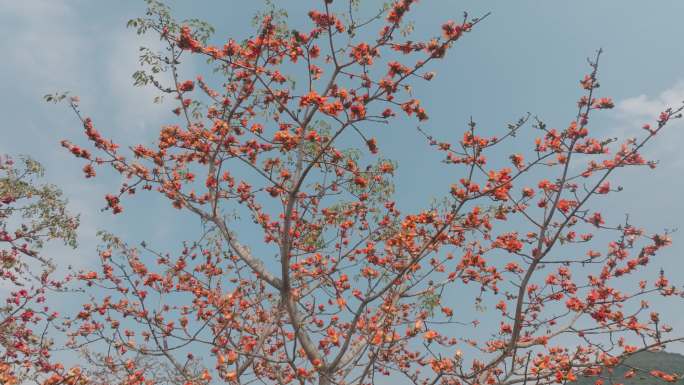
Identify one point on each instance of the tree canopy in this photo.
(515, 275)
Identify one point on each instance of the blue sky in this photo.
(527, 57)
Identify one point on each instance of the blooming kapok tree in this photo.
(31, 214)
(345, 288)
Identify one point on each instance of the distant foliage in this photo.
(636, 370)
(31, 214)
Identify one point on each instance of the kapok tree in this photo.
(344, 288)
(31, 214)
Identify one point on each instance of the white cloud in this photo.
(632, 113)
(136, 115)
(643, 106)
(50, 46)
(44, 46)
(54, 48)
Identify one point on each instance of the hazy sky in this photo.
(527, 57)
